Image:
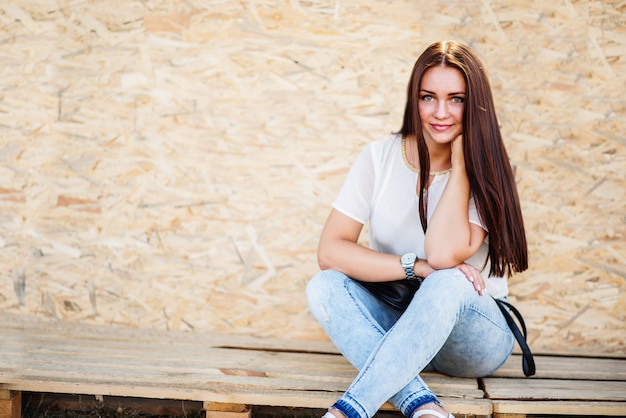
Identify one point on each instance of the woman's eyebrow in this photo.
(449, 94)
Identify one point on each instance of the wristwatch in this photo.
(408, 263)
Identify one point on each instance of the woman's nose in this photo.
(441, 111)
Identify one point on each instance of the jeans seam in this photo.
(488, 318)
(360, 308)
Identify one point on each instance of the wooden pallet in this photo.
(227, 373)
(231, 374)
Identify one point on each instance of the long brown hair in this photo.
(487, 163)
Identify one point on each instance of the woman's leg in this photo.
(448, 323)
(356, 322)
(353, 319)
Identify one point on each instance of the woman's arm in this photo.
(338, 250)
(451, 238)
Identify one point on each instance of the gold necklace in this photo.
(408, 163)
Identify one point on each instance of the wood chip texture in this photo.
(169, 165)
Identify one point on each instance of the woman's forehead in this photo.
(443, 78)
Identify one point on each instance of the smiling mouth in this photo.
(440, 128)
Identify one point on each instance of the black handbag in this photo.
(528, 362)
(397, 294)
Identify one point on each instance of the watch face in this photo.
(408, 258)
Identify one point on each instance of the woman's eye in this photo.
(458, 100)
(427, 98)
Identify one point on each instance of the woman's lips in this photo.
(440, 128)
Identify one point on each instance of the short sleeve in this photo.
(473, 215)
(355, 197)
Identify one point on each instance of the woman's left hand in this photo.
(457, 156)
(473, 275)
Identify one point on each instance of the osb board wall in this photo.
(169, 164)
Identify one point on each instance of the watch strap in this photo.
(410, 273)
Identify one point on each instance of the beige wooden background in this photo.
(169, 164)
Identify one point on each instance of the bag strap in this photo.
(528, 362)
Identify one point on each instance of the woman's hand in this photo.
(457, 158)
(473, 275)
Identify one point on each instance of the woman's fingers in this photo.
(457, 150)
(473, 275)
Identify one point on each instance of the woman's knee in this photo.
(463, 357)
(450, 281)
(320, 290)
(321, 284)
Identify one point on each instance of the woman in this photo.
(443, 211)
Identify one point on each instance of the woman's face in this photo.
(441, 104)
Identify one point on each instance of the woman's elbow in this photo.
(443, 261)
(323, 264)
(324, 259)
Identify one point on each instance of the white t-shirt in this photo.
(381, 188)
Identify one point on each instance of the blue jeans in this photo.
(447, 328)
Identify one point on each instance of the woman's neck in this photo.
(439, 156)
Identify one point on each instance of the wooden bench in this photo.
(233, 374)
(562, 386)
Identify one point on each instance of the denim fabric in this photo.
(447, 328)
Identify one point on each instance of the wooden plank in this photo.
(566, 367)
(193, 353)
(226, 407)
(10, 403)
(41, 328)
(219, 393)
(578, 408)
(124, 376)
(208, 369)
(260, 361)
(314, 364)
(84, 344)
(223, 394)
(211, 365)
(200, 380)
(228, 414)
(544, 389)
(227, 410)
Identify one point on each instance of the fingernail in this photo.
(472, 279)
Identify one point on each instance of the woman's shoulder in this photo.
(383, 147)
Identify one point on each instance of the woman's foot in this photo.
(431, 410)
(333, 413)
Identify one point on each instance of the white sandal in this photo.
(421, 412)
